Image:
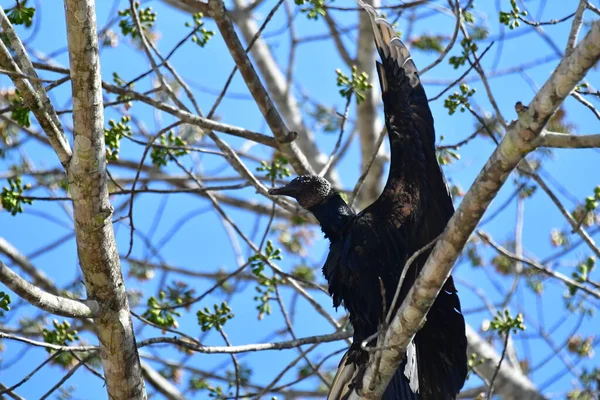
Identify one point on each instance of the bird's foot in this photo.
(357, 355)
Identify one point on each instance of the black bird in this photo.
(375, 244)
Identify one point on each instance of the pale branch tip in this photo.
(43, 300)
(568, 141)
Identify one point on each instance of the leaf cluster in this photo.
(160, 310)
(459, 100)
(356, 83)
(511, 18)
(468, 46)
(20, 14)
(580, 346)
(446, 156)
(314, 8)
(4, 303)
(503, 322)
(277, 169)
(429, 43)
(146, 16)
(12, 197)
(170, 144)
(61, 335)
(214, 319)
(266, 285)
(201, 35)
(581, 273)
(197, 384)
(20, 114)
(113, 136)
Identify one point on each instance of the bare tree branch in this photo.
(10, 393)
(160, 383)
(337, 40)
(281, 45)
(574, 224)
(33, 93)
(183, 342)
(278, 127)
(38, 277)
(190, 118)
(576, 26)
(249, 347)
(566, 141)
(278, 88)
(273, 77)
(458, 12)
(538, 266)
(46, 301)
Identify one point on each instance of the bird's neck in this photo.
(333, 214)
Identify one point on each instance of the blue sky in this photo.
(202, 244)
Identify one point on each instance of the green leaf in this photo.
(61, 335)
(459, 100)
(20, 14)
(314, 8)
(208, 319)
(160, 312)
(355, 84)
(12, 197)
(4, 303)
(276, 169)
(170, 146)
(202, 36)
(20, 113)
(503, 322)
(512, 18)
(113, 136)
(146, 17)
(468, 47)
(429, 43)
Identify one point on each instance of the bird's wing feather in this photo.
(343, 377)
(368, 253)
(389, 45)
(399, 388)
(413, 209)
(367, 250)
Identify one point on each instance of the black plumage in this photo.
(375, 244)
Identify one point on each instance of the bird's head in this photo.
(308, 190)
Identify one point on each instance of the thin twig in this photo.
(67, 376)
(365, 172)
(489, 396)
(331, 159)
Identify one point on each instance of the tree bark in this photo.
(87, 177)
(369, 124)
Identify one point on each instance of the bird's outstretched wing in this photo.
(413, 209)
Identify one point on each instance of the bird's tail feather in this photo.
(340, 387)
(403, 385)
(388, 45)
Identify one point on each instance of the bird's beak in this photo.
(287, 190)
